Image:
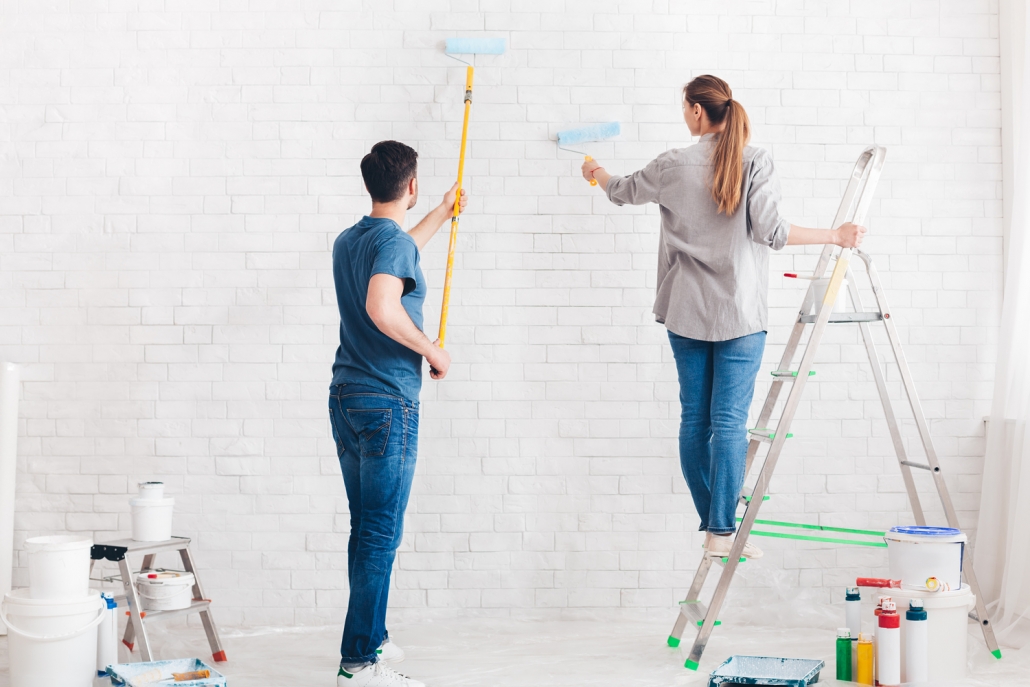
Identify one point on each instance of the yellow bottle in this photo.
(864, 672)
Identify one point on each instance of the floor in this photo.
(489, 653)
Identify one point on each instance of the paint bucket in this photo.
(165, 590)
(58, 566)
(947, 617)
(152, 519)
(814, 297)
(151, 490)
(52, 641)
(926, 558)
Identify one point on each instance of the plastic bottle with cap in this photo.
(888, 646)
(107, 635)
(853, 619)
(916, 666)
(864, 667)
(876, 623)
(844, 654)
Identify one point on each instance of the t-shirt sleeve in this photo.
(397, 256)
(639, 188)
(764, 222)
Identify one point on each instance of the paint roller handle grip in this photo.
(593, 182)
(879, 582)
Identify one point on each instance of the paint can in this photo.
(58, 566)
(947, 620)
(152, 518)
(151, 490)
(165, 590)
(926, 557)
(52, 641)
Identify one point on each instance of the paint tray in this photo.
(766, 670)
(152, 673)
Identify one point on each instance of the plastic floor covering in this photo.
(509, 653)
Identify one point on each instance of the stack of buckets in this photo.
(52, 625)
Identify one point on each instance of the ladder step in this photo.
(747, 499)
(789, 374)
(694, 610)
(845, 317)
(763, 434)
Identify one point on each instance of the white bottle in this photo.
(888, 646)
(916, 666)
(107, 636)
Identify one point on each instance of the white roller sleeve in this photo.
(9, 378)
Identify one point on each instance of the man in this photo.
(373, 400)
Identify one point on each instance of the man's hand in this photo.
(849, 235)
(589, 168)
(439, 361)
(448, 199)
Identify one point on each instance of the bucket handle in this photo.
(51, 638)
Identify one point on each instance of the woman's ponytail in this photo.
(715, 96)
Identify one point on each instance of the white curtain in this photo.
(1002, 549)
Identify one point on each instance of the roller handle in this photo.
(879, 582)
(593, 182)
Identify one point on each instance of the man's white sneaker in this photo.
(375, 675)
(719, 547)
(390, 653)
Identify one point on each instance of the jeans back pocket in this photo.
(372, 425)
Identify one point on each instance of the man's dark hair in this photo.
(387, 169)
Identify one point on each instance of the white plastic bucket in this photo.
(58, 566)
(947, 616)
(152, 519)
(814, 297)
(52, 642)
(151, 490)
(165, 590)
(920, 555)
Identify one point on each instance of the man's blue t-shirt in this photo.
(376, 245)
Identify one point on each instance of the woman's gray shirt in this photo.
(713, 270)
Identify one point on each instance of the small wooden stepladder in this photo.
(853, 208)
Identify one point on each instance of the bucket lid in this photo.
(147, 503)
(18, 601)
(58, 542)
(928, 535)
(165, 578)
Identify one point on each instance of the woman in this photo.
(719, 202)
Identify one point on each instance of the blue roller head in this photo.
(483, 46)
(596, 132)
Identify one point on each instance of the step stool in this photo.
(118, 552)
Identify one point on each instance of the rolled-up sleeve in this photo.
(639, 188)
(764, 222)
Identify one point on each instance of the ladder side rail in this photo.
(931, 456)
(885, 400)
(693, 595)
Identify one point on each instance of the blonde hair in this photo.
(715, 96)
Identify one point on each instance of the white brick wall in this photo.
(172, 177)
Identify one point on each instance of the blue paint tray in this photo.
(766, 670)
(138, 674)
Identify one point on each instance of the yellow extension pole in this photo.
(457, 209)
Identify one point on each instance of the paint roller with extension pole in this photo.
(595, 132)
(462, 46)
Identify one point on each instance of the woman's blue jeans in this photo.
(717, 383)
(376, 440)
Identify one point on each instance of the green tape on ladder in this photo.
(748, 499)
(792, 373)
(691, 665)
(701, 622)
(673, 642)
(824, 528)
(996, 653)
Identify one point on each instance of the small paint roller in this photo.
(595, 132)
(453, 47)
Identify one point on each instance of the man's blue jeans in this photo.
(376, 440)
(717, 383)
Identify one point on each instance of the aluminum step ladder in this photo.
(118, 552)
(853, 208)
